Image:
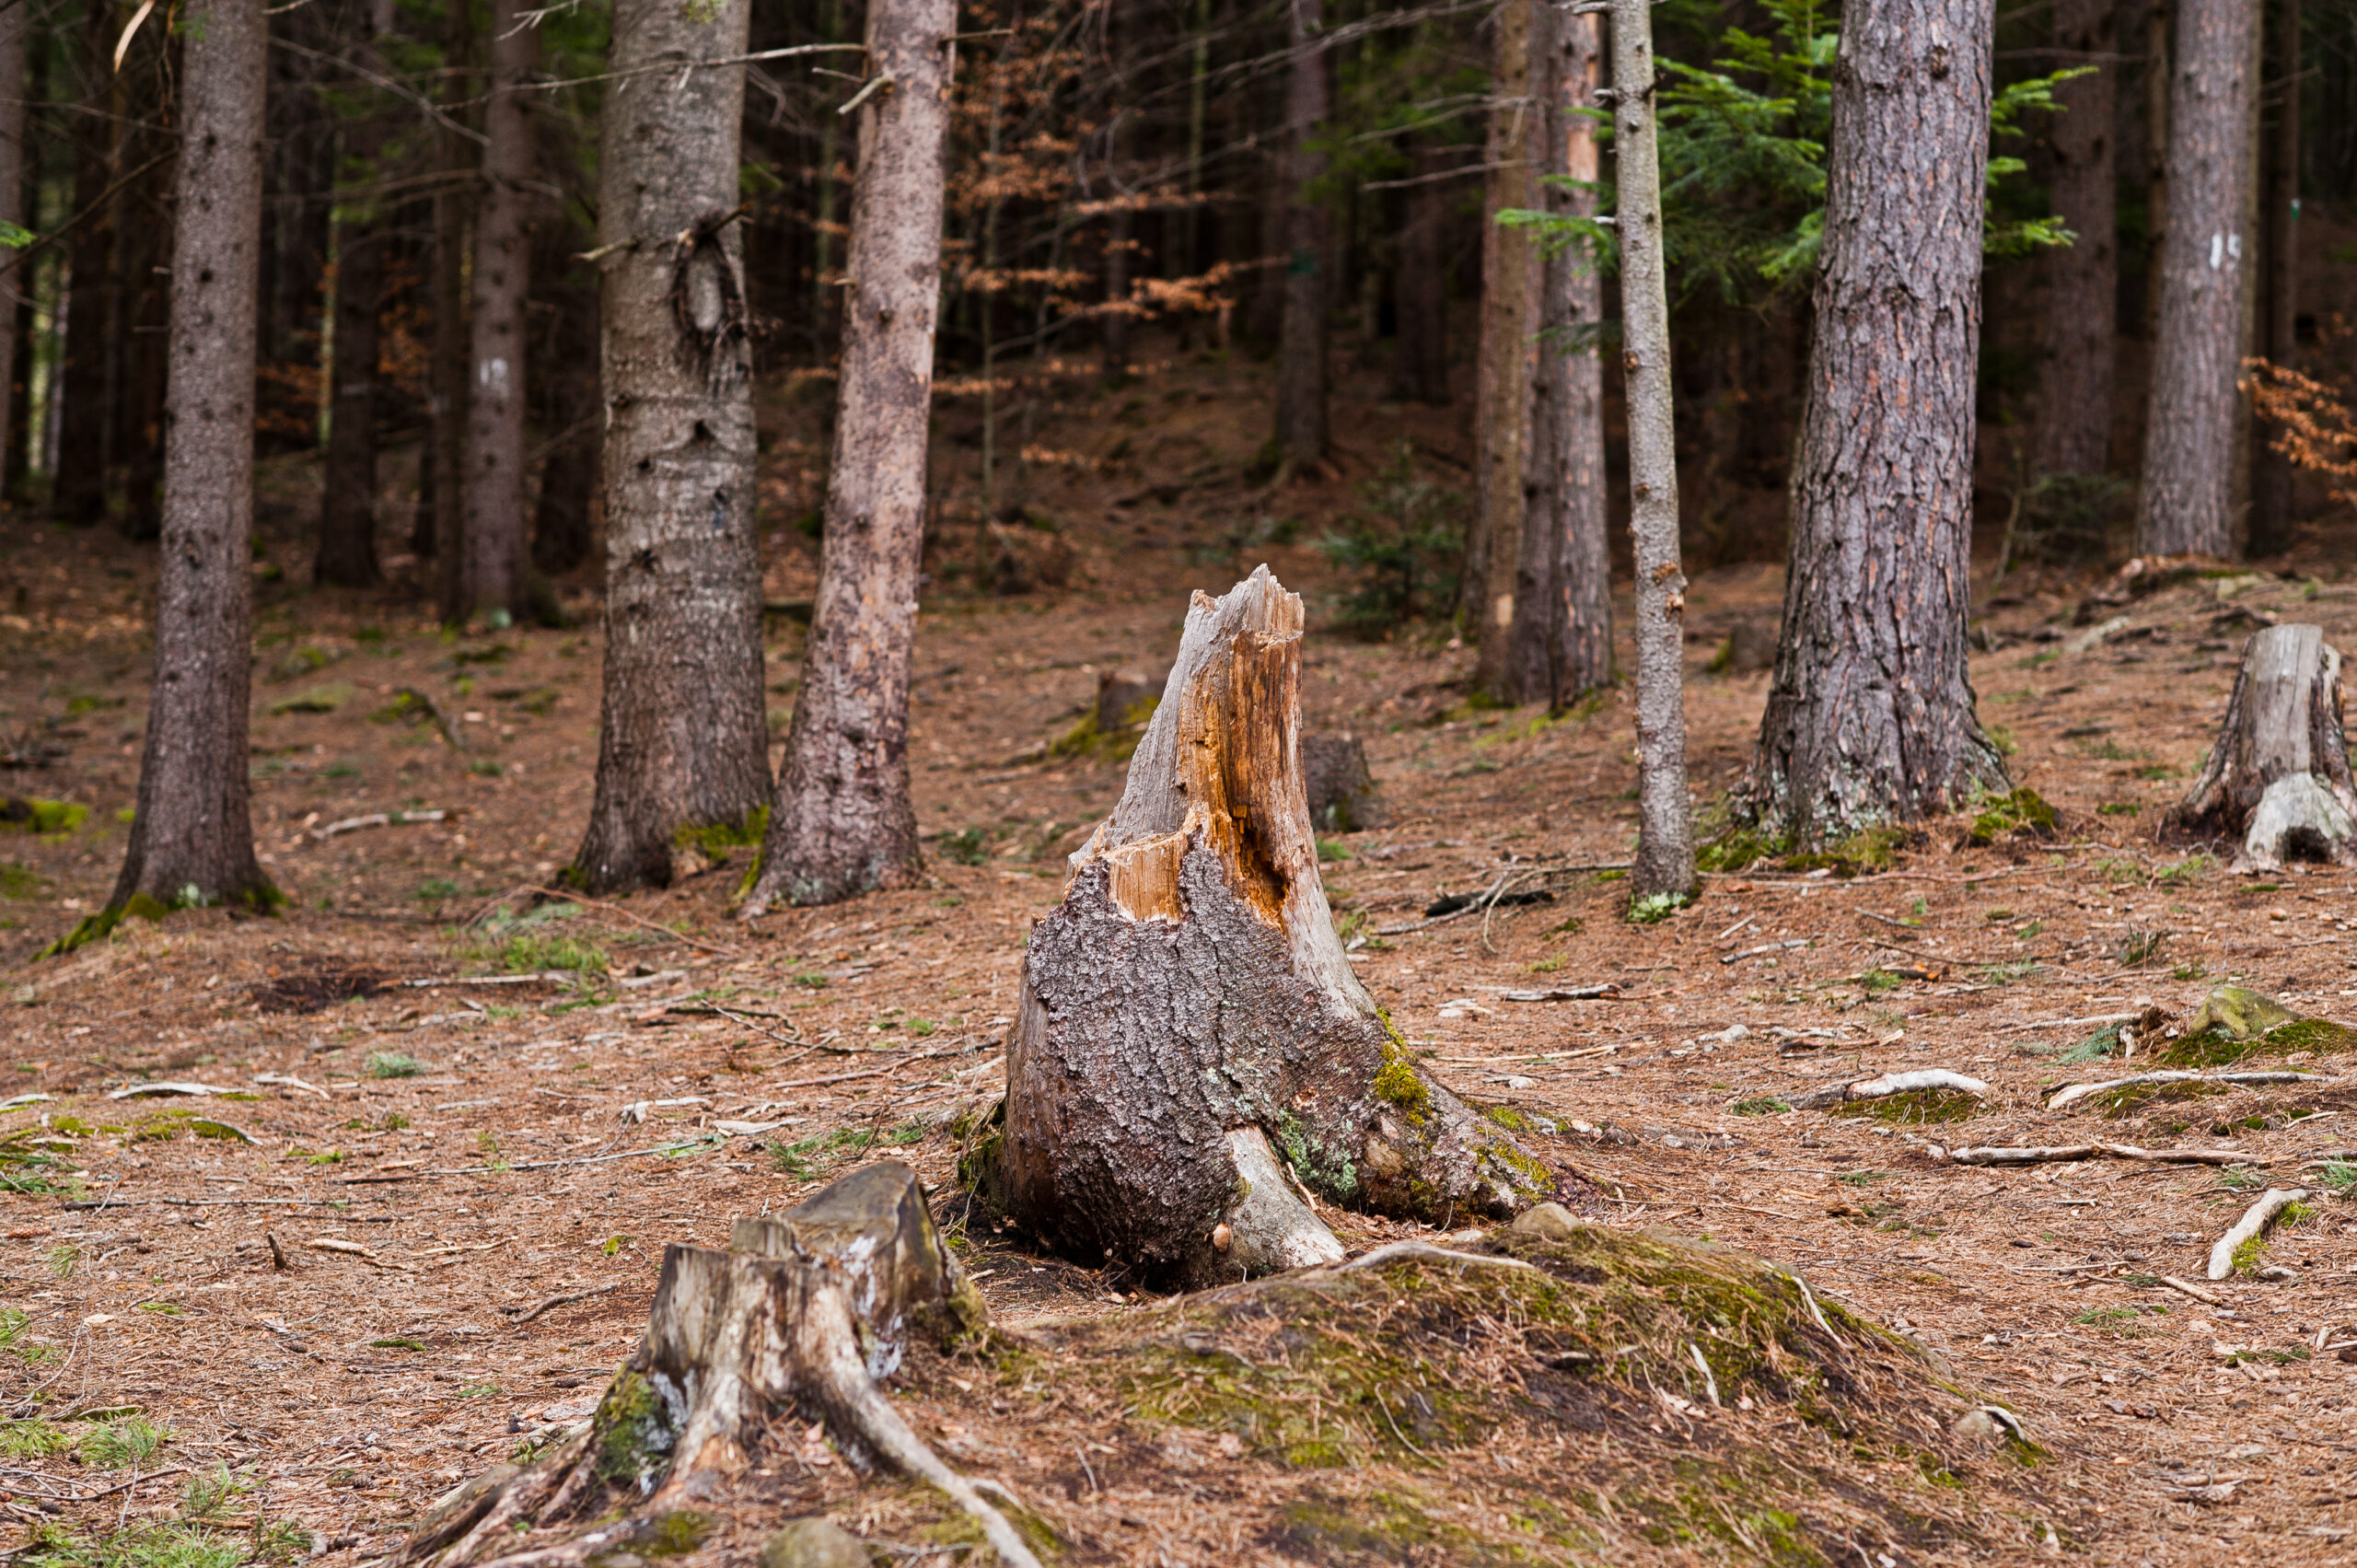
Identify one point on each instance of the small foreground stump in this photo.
(803, 1312)
(1191, 1055)
(2278, 777)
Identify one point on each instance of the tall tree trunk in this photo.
(1505, 352)
(844, 823)
(683, 740)
(85, 381)
(2189, 432)
(442, 516)
(1188, 1011)
(1665, 860)
(16, 84)
(494, 542)
(1870, 715)
(2084, 276)
(1420, 284)
(2270, 491)
(1301, 349)
(1559, 644)
(348, 505)
(191, 837)
(2156, 162)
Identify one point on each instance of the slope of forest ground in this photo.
(313, 1283)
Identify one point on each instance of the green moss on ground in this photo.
(2020, 813)
(1915, 1107)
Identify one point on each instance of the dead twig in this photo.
(521, 1316)
(2070, 1092)
(2024, 1154)
(636, 919)
(2185, 1287)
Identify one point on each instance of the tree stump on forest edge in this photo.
(1341, 789)
(1191, 1054)
(806, 1310)
(2278, 776)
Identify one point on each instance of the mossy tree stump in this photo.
(2278, 777)
(1191, 1055)
(803, 1312)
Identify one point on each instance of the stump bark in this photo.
(1191, 1056)
(2278, 777)
(804, 1312)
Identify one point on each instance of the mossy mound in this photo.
(1629, 1396)
(2217, 1047)
(2117, 1104)
(1915, 1107)
(2018, 814)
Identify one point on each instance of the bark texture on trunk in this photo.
(1301, 348)
(192, 838)
(2279, 227)
(1508, 347)
(348, 503)
(1559, 644)
(442, 512)
(842, 823)
(2083, 277)
(492, 549)
(804, 1312)
(1870, 713)
(1191, 1050)
(86, 377)
(1664, 859)
(2278, 777)
(15, 25)
(1420, 286)
(2189, 432)
(683, 740)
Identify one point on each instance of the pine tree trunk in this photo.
(1664, 859)
(2074, 434)
(2271, 510)
(1559, 645)
(682, 740)
(2187, 503)
(192, 838)
(1420, 284)
(85, 379)
(442, 517)
(1190, 1049)
(492, 539)
(842, 823)
(1505, 352)
(16, 84)
(1870, 713)
(1301, 349)
(347, 554)
(2278, 777)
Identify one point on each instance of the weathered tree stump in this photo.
(1191, 1055)
(2278, 777)
(804, 1311)
(1341, 788)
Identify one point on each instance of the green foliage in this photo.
(13, 1327)
(1761, 1105)
(1655, 908)
(968, 846)
(533, 952)
(2020, 812)
(805, 1159)
(48, 819)
(1403, 550)
(715, 840)
(2065, 519)
(393, 1065)
(125, 1441)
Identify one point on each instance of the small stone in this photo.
(1222, 1238)
(1548, 1222)
(813, 1543)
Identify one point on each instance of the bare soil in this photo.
(322, 1297)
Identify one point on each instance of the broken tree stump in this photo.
(803, 1313)
(2278, 777)
(1341, 788)
(1191, 1055)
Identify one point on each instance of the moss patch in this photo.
(632, 1434)
(2020, 813)
(2215, 1046)
(1915, 1107)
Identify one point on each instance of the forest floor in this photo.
(312, 1281)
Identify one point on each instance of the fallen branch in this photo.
(378, 820)
(2072, 1092)
(562, 977)
(634, 918)
(521, 1316)
(1888, 1084)
(2255, 1221)
(289, 1081)
(1765, 947)
(141, 1091)
(2051, 1153)
(1604, 990)
(1425, 1252)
